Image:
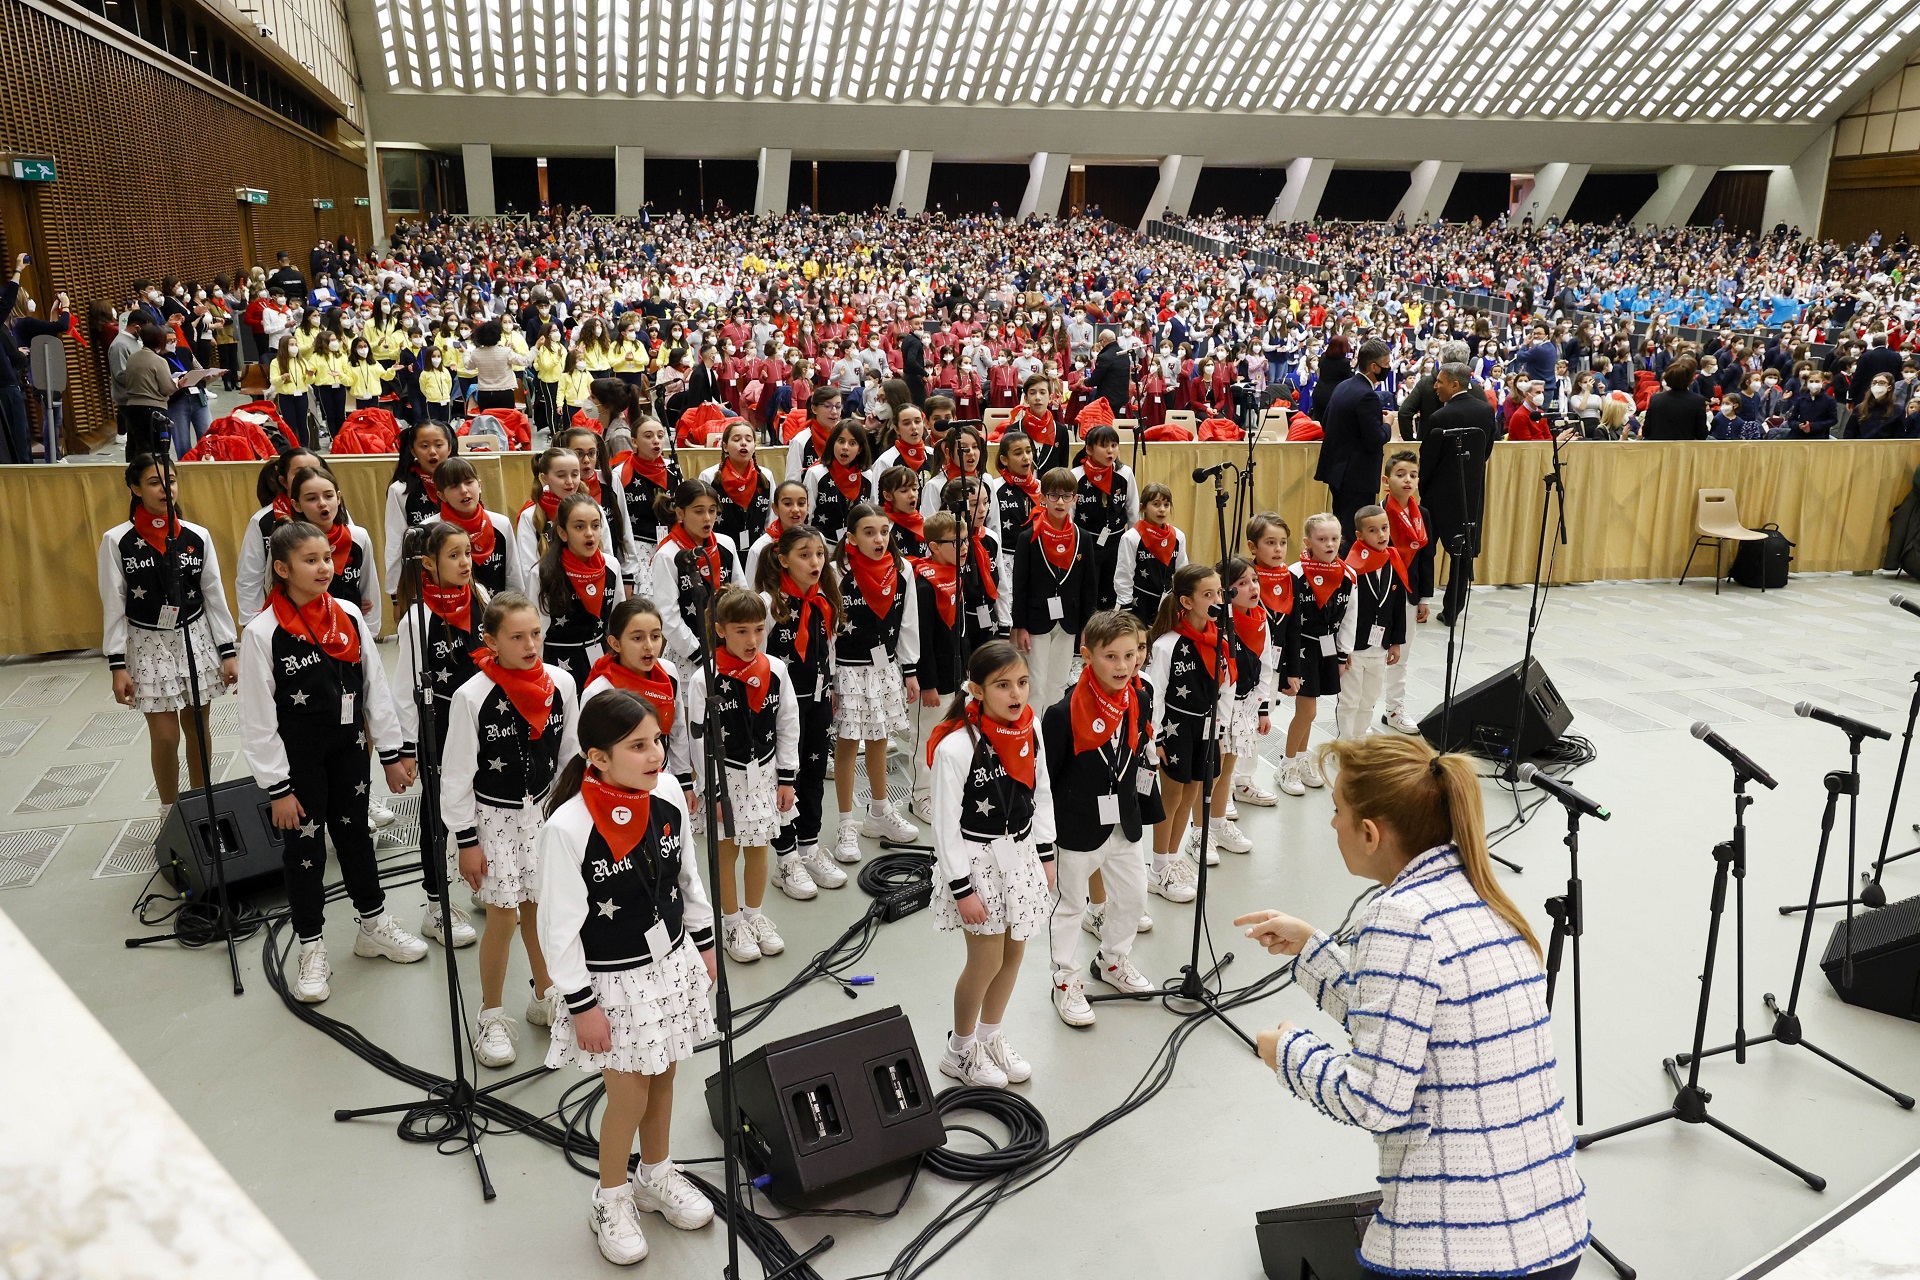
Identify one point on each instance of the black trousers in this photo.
(1343, 503)
(328, 766)
(810, 787)
(1459, 571)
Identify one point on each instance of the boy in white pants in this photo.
(1055, 587)
(1413, 543)
(1373, 630)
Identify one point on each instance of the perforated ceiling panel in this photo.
(1734, 60)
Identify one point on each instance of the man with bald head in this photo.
(1454, 446)
(1112, 373)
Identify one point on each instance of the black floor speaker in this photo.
(242, 829)
(826, 1106)
(1886, 960)
(1484, 717)
(1315, 1241)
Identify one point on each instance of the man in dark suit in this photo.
(1422, 402)
(1454, 449)
(1355, 431)
(913, 364)
(1877, 358)
(1112, 373)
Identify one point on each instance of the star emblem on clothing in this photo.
(985, 806)
(814, 756)
(307, 863)
(361, 789)
(1169, 757)
(607, 908)
(442, 676)
(138, 593)
(498, 766)
(309, 829)
(360, 740)
(299, 699)
(1180, 692)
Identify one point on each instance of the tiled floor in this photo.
(1171, 1190)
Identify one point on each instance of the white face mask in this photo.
(1879, 390)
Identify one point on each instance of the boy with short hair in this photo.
(1374, 628)
(1054, 591)
(1311, 660)
(1413, 543)
(1267, 539)
(1106, 503)
(1149, 554)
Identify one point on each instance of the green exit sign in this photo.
(33, 168)
(250, 195)
(360, 202)
(323, 204)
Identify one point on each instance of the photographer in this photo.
(1451, 1065)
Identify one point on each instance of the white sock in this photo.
(367, 922)
(986, 1030)
(1160, 861)
(604, 1194)
(958, 1045)
(750, 912)
(876, 807)
(733, 920)
(646, 1171)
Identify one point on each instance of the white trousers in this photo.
(924, 719)
(1124, 869)
(1360, 692)
(1048, 664)
(1394, 686)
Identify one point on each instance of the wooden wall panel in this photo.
(148, 161)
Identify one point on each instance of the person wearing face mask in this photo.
(1878, 418)
(1811, 415)
(1678, 412)
(1353, 450)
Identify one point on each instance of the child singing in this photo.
(690, 566)
(489, 535)
(579, 584)
(1375, 626)
(1189, 698)
(1267, 539)
(876, 660)
(1054, 591)
(1148, 556)
(1414, 547)
(1311, 662)
(635, 661)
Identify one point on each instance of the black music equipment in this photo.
(1484, 717)
(1315, 1241)
(825, 1106)
(241, 828)
(1886, 960)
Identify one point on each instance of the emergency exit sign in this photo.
(250, 195)
(323, 204)
(360, 202)
(33, 168)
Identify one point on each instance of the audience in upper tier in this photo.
(1569, 329)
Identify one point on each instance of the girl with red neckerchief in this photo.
(556, 477)
(596, 477)
(636, 661)
(579, 585)
(512, 725)
(900, 500)
(842, 483)
(1255, 655)
(993, 834)
(413, 496)
(1311, 661)
(1150, 553)
(627, 931)
(813, 445)
(489, 534)
(1189, 694)
(1018, 492)
(356, 579)
(876, 665)
(908, 448)
(642, 475)
(965, 455)
(276, 508)
(690, 567)
(746, 488)
(1268, 537)
(789, 511)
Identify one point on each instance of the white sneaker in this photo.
(310, 984)
(463, 931)
(1227, 835)
(540, 1008)
(1288, 777)
(846, 847)
(820, 867)
(973, 1068)
(741, 945)
(1146, 924)
(494, 1045)
(1192, 847)
(1093, 918)
(1121, 975)
(616, 1225)
(1176, 881)
(1233, 810)
(888, 825)
(922, 808)
(1310, 770)
(1253, 793)
(1011, 1063)
(381, 815)
(383, 936)
(794, 880)
(672, 1195)
(765, 935)
(1398, 720)
(829, 773)
(1070, 1000)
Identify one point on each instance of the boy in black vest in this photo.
(1055, 586)
(1106, 504)
(1374, 628)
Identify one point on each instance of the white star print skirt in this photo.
(872, 702)
(1010, 883)
(157, 661)
(507, 837)
(658, 1013)
(1243, 727)
(753, 808)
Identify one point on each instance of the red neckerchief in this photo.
(153, 530)
(1276, 588)
(589, 578)
(1028, 484)
(707, 554)
(452, 605)
(478, 528)
(323, 621)
(549, 503)
(1097, 714)
(945, 581)
(619, 815)
(1158, 540)
(282, 508)
(1040, 429)
(850, 481)
(879, 580)
(591, 483)
(819, 432)
(983, 563)
(1057, 545)
(757, 675)
(427, 486)
(912, 521)
(739, 488)
(914, 455)
(340, 542)
(1013, 743)
(1102, 477)
(1364, 559)
(1408, 524)
(1207, 643)
(655, 686)
(653, 470)
(530, 690)
(808, 600)
(1324, 576)
(1251, 626)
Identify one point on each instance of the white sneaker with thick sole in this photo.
(1255, 794)
(846, 846)
(1176, 882)
(1070, 1000)
(383, 936)
(540, 1009)
(1233, 810)
(672, 1195)
(1227, 835)
(820, 867)
(381, 816)
(463, 931)
(922, 808)
(794, 879)
(494, 1045)
(615, 1222)
(1093, 918)
(765, 935)
(1121, 975)
(1399, 721)
(973, 1068)
(1192, 847)
(1288, 778)
(742, 946)
(1002, 1055)
(1310, 770)
(888, 825)
(1146, 924)
(310, 983)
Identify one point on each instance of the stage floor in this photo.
(1171, 1190)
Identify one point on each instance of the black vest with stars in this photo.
(1192, 691)
(639, 494)
(510, 768)
(1095, 510)
(863, 630)
(149, 581)
(624, 898)
(749, 736)
(811, 678)
(447, 663)
(308, 686)
(491, 573)
(347, 583)
(693, 588)
(575, 635)
(993, 804)
(416, 506)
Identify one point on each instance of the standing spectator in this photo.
(1354, 447)
(1453, 460)
(1679, 412)
(149, 389)
(1112, 373)
(286, 277)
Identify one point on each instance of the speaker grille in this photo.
(1894, 925)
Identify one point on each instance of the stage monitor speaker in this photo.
(1484, 716)
(826, 1106)
(242, 829)
(1315, 1241)
(1886, 959)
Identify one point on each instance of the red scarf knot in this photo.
(322, 621)
(619, 815)
(741, 487)
(1206, 643)
(529, 689)
(1158, 540)
(1057, 545)
(154, 530)
(478, 527)
(755, 673)
(1098, 715)
(655, 686)
(808, 600)
(588, 577)
(1014, 743)
(452, 605)
(1276, 588)
(1408, 524)
(879, 580)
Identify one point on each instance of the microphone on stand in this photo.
(1735, 756)
(1857, 728)
(1201, 473)
(1899, 601)
(1563, 793)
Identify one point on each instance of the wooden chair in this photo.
(1186, 418)
(994, 419)
(1126, 427)
(1716, 519)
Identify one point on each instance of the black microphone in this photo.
(1201, 473)
(1899, 601)
(1856, 728)
(1735, 756)
(1565, 794)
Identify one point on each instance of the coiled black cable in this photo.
(1026, 1128)
(891, 873)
